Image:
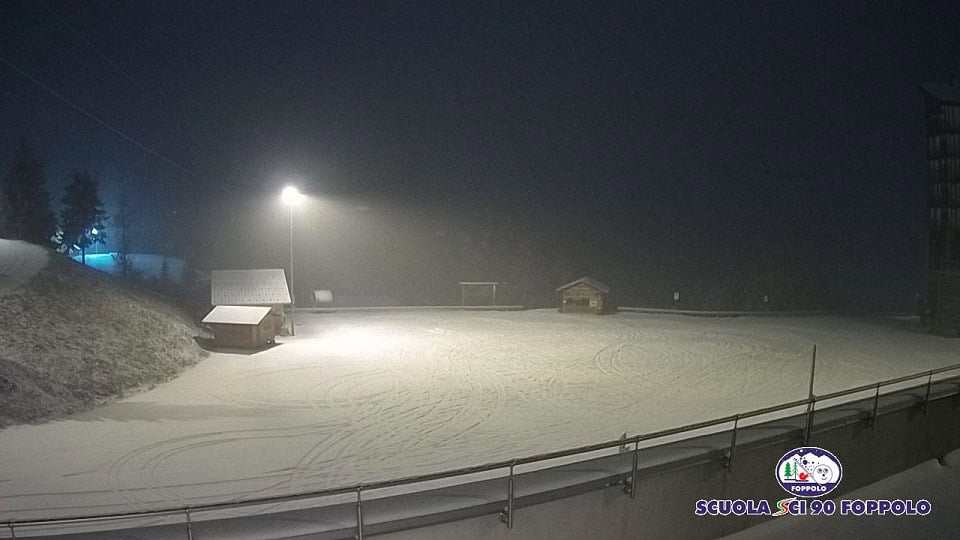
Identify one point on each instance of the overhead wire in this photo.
(116, 131)
(90, 44)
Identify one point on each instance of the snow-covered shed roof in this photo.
(250, 315)
(586, 280)
(249, 287)
(943, 92)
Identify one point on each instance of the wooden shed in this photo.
(247, 327)
(585, 295)
(262, 287)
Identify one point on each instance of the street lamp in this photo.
(291, 197)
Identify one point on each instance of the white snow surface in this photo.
(19, 261)
(370, 396)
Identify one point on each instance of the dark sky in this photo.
(726, 149)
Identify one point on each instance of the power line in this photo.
(96, 119)
(157, 95)
(94, 47)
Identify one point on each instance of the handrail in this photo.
(475, 469)
(887, 382)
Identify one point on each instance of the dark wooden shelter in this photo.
(585, 295)
(247, 327)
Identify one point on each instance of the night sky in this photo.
(727, 150)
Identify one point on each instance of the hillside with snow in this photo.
(72, 338)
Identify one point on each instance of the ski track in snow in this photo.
(364, 397)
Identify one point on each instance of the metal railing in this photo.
(510, 465)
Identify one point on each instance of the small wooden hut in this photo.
(247, 327)
(585, 295)
(261, 287)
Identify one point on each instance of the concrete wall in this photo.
(664, 507)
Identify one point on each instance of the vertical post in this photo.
(926, 398)
(506, 516)
(808, 431)
(293, 297)
(636, 468)
(813, 370)
(494, 294)
(189, 524)
(876, 406)
(13, 533)
(733, 444)
(463, 294)
(359, 514)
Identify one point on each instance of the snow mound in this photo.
(19, 262)
(73, 338)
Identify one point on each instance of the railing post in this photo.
(808, 431)
(728, 461)
(13, 533)
(876, 406)
(631, 487)
(813, 370)
(506, 516)
(359, 514)
(189, 524)
(926, 398)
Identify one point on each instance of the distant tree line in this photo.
(26, 212)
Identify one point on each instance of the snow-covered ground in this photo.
(362, 397)
(19, 261)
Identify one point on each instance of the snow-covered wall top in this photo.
(19, 261)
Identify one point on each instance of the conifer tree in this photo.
(25, 212)
(82, 216)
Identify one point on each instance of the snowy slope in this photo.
(361, 397)
(72, 337)
(19, 261)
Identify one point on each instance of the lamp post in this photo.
(291, 197)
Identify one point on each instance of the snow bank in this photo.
(19, 262)
(72, 338)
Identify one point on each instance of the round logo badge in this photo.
(809, 471)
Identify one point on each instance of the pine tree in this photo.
(82, 214)
(787, 473)
(25, 213)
